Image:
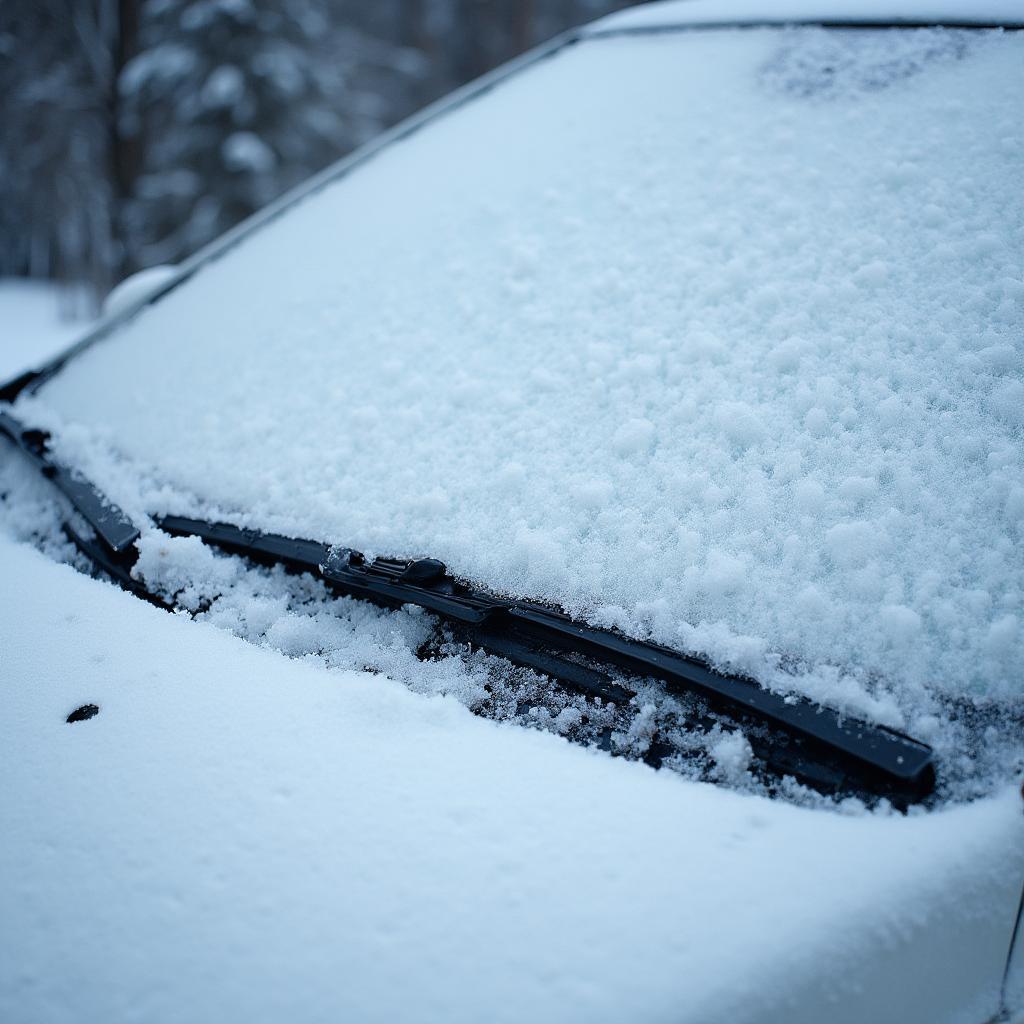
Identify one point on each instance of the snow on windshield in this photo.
(714, 337)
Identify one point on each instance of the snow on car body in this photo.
(711, 336)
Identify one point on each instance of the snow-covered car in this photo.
(579, 547)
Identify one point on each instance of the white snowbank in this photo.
(239, 836)
(713, 337)
(33, 326)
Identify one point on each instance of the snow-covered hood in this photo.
(237, 835)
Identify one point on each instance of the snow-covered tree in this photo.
(230, 107)
(135, 131)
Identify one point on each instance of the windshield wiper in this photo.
(116, 530)
(789, 735)
(111, 546)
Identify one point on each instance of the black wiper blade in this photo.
(792, 735)
(117, 532)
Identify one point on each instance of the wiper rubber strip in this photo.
(790, 735)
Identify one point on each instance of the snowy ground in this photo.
(37, 320)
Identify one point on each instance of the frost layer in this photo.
(714, 337)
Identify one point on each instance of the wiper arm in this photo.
(790, 736)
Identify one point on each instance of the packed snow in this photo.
(236, 835)
(711, 337)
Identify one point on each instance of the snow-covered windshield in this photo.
(712, 336)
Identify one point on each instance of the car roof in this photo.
(697, 13)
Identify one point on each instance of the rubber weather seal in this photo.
(789, 735)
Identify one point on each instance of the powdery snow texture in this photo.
(714, 337)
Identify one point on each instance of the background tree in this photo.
(230, 105)
(58, 188)
(135, 131)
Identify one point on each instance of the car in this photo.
(567, 558)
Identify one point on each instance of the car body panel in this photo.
(238, 835)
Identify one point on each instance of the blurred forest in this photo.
(135, 131)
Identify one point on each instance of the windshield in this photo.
(713, 337)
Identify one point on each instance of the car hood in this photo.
(238, 834)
